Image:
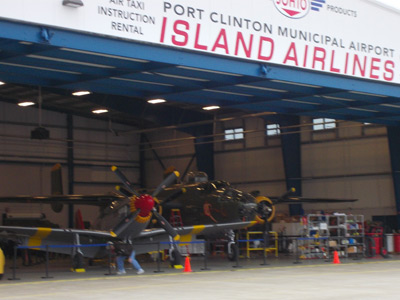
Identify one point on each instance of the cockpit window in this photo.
(194, 177)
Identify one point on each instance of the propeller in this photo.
(123, 191)
(163, 222)
(166, 182)
(285, 195)
(143, 205)
(125, 180)
(266, 206)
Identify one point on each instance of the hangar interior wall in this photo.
(351, 161)
(25, 163)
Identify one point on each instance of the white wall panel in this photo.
(375, 194)
(345, 157)
(251, 165)
(257, 137)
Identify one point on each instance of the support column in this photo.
(291, 152)
(142, 161)
(394, 149)
(70, 162)
(204, 147)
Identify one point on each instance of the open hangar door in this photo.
(272, 69)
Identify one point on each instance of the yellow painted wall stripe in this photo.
(36, 239)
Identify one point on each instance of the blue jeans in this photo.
(121, 259)
(120, 263)
(134, 262)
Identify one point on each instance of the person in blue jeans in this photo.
(135, 263)
(123, 250)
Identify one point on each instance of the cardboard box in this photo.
(352, 249)
(332, 244)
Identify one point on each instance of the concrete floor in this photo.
(282, 279)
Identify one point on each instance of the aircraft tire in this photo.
(78, 261)
(174, 257)
(234, 253)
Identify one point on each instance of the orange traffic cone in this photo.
(336, 258)
(187, 265)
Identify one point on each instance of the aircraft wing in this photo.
(157, 238)
(207, 229)
(148, 240)
(294, 199)
(59, 240)
(95, 199)
(39, 235)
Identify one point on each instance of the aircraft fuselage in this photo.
(209, 202)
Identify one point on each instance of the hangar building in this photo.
(266, 95)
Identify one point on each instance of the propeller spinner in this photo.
(142, 206)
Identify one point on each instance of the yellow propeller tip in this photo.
(177, 237)
(114, 168)
(177, 173)
(113, 234)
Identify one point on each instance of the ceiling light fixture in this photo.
(72, 3)
(297, 83)
(367, 94)
(81, 93)
(211, 107)
(26, 103)
(156, 101)
(100, 111)
(2, 83)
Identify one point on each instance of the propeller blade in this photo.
(123, 191)
(284, 197)
(164, 224)
(166, 182)
(124, 180)
(287, 193)
(124, 224)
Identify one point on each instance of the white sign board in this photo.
(354, 38)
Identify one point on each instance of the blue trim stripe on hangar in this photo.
(67, 60)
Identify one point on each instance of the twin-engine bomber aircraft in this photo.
(208, 209)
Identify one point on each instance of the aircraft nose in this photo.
(145, 203)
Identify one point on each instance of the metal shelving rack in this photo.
(345, 234)
(315, 244)
(355, 234)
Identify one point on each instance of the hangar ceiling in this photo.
(123, 75)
